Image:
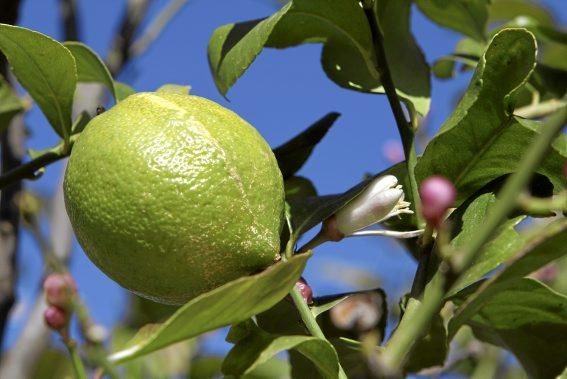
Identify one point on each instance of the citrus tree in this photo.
(183, 202)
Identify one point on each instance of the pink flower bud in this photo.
(437, 195)
(55, 317)
(305, 290)
(59, 289)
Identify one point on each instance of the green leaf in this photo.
(409, 69)
(175, 88)
(541, 246)
(503, 10)
(210, 367)
(90, 67)
(480, 141)
(123, 90)
(464, 16)
(46, 69)
(348, 55)
(430, 350)
(527, 318)
(466, 220)
(80, 122)
(257, 347)
(10, 104)
(294, 153)
(297, 187)
(232, 303)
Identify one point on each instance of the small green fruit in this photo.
(173, 195)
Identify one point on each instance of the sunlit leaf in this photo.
(123, 90)
(541, 246)
(46, 69)
(90, 67)
(466, 221)
(481, 141)
(257, 347)
(175, 88)
(465, 16)
(527, 318)
(348, 55)
(232, 303)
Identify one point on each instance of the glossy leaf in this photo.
(503, 10)
(347, 57)
(232, 303)
(175, 88)
(480, 141)
(10, 104)
(541, 246)
(46, 69)
(293, 154)
(466, 220)
(90, 67)
(210, 367)
(123, 91)
(257, 347)
(464, 16)
(527, 318)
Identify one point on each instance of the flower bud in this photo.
(305, 290)
(437, 195)
(59, 290)
(382, 199)
(55, 317)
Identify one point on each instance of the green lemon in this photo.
(173, 195)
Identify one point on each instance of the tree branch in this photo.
(22, 358)
(121, 49)
(12, 142)
(154, 30)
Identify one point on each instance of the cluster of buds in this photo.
(60, 290)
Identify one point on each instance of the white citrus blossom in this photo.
(381, 200)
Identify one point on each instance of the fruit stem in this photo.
(310, 321)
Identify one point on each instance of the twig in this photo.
(540, 109)
(310, 322)
(78, 367)
(12, 142)
(69, 14)
(29, 169)
(20, 360)
(417, 319)
(405, 130)
(154, 30)
(120, 52)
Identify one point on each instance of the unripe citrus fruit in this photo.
(173, 195)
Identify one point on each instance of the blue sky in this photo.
(282, 93)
